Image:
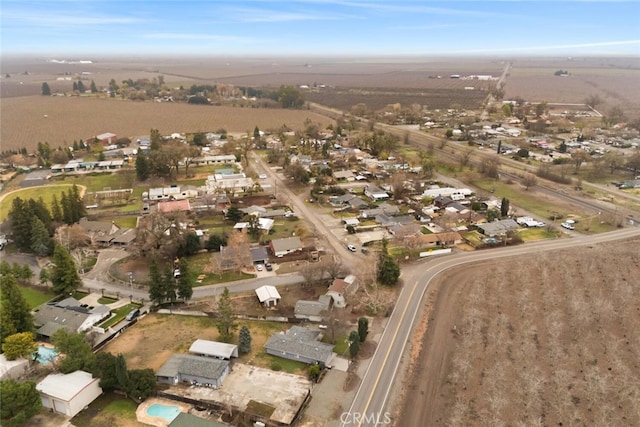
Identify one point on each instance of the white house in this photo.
(268, 295)
(68, 394)
(339, 288)
(282, 247)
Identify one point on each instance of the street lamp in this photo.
(131, 284)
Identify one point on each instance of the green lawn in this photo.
(533, 234)
(286, 365)
(120, 314)
(32, 193)
(36, 297)
(125, 221)
(104, 409)
(106, 301)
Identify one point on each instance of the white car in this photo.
(262, 176)
(352, 248)
(568, 226)
(259, 267)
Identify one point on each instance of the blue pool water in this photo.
(46, 354)
(168, 412)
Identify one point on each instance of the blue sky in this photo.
(320, 27)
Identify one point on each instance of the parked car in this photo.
(568, 226)
(176, 273)
(268, 266)
(352, 248)
(133, 314)
(263, 176)
(259, 267)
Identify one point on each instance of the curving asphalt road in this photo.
(369, 407)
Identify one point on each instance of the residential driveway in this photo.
(106, 257)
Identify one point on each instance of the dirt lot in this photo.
(549, 342)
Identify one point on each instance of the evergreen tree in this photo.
(15, 314)
(93, 87)
(39, 210)
(354, 344)
(20, 218)
(155, 283)
(56, 212)
(142, 167)
(40, 240)
(142, 384)
(388, 268)
(20, 402)
(66, 208)
(64, 276)
(244, 340)
(77, 205)
(75, 86)
(504, 207)
(81, 87)
(46, 90)
(363, 328)
(225, 319)
(185, 283)
(256, 133)
(234, 214)
(105, 369)
(122, 374)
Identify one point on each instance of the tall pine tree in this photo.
(15, 314)
(155, 283)
(225, 319)
(56, 212)
(185, 283)
(64, 277)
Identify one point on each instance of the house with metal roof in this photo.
(268, 295)
(196, 370)
(497, 227)
(375, 193)
(282, 247)
(215, 349)
(68, 394)
(300, 344)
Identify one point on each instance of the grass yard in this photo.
(108, 409)
(36, 297)
(533, 234)
(119, 314)
(125, 221)
(32, 193)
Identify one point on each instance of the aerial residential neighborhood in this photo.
(316, 214)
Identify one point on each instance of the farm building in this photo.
(300, 344)
(215, 349)
(282, 247)
(194, 370)
(268, 295)
(106, 138)
(68, 394)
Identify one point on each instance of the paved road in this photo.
(369, 406)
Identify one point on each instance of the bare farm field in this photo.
(550, 340)
(616, 82)
(59, 120)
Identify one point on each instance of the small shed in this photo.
(268, 295)
(215, 349)
(68, 394)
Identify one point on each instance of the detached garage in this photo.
(68, 394)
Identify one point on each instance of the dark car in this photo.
(268, 266)
(133, 314)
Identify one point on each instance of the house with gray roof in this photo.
(313, 311)
(497, 227)
(384, 208)
(288, 245)
(69, 315)
(375, 193)
(300, 344)
(196, 370)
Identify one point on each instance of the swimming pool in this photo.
(46, 354)
(168, 412)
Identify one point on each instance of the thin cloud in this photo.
(53, 20)
(554, 47)
(256, 15)
(202, 37)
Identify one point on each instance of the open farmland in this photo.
(550, 340)
(67, 118)
(615, 81)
